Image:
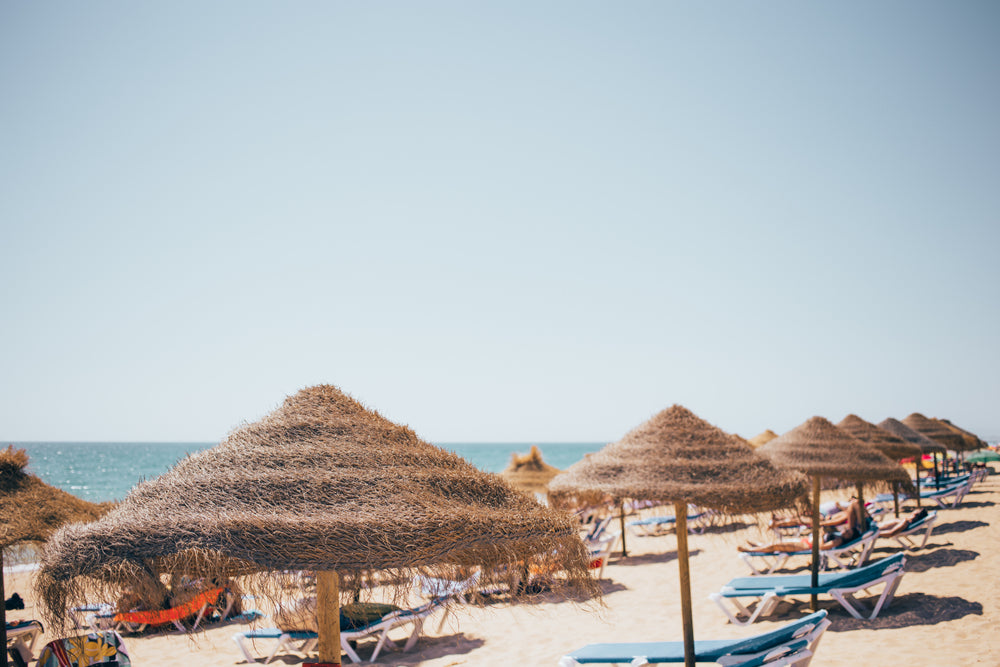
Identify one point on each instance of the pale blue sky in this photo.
(497, 222)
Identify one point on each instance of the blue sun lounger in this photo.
(793, 644)
(771, 589)
(661, 525)
(380, 627)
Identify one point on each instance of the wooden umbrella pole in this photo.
(685, 572)
(813, 598)
(622, 521)
(937, 475)
(895, 498)
(861, 494)
(920, 462)
(3, 610)
(328, 617)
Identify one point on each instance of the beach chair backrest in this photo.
(104, 648)
(869, 572)
(782, 635)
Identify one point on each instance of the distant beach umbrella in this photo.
(679, 458)
(972, 441)
(898, 428)
(888, 443)
(820, 449)
(321, 484)
(936, 430)
(529, 472)
(983, 456)
(31, 510)
(762, 438)
(928, 446)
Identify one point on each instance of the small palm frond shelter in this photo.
(762, 438)
(888, 443)
(679, 458)
(321, 484)
(529, 472)
(820, 449)
(31, 510)
(936, 430)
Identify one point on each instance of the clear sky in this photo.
(514, 221)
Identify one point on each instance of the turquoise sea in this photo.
(99, 471)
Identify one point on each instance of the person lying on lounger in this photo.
(895, 526)
(843, 514)
(832, 537)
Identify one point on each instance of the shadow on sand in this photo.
(908, 610)
(957, 527)
(976, 503)
(905, 610)
(644, 559)
(427, 648)
(939, 558)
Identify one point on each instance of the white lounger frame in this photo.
(845, 596)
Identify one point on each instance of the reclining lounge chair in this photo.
(841, 585)
(793, 644)
(380, 627)
(21, 638)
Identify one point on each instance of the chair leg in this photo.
(345, 644)
(418, 626)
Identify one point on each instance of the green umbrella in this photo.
(982, 456)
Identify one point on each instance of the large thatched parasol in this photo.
(820, 449)
(31, 510)
(677, 457)
(529, 472)
(927, 446)
(889, 444)
(320, 484)
(762, 438)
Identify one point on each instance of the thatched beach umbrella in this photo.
(31, 510)
(889, 444)
(677, 457)
(936, 430)
(820, 449)
(972, 441)
(762, 438)
(927, 446)
(529, 472)
(939, 432)
(320, 484)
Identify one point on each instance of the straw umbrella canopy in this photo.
(888, 443)
(972, 441)
(762, 438)
(927, 446)
(677, 457)
(31, 510)
(820, 449)
(320, 484)
(936, 430)
(898, 428)
(529, 472)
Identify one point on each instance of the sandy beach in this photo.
(944, 612)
